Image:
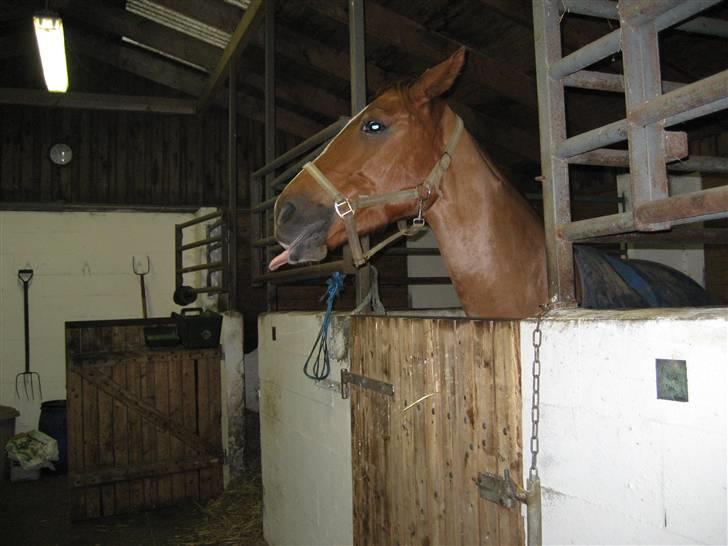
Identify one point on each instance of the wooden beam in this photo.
(305, 51)
(311, 97)
(240, 38)
(12, 12)
(147, 412)
(94, 101)
(167, 73)
(517, 12)
(391, 28)
(17, 45)
(215, 13)
(140, 29)
(116, 474)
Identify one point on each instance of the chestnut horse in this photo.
(405, 155)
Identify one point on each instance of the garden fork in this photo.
(27, 378)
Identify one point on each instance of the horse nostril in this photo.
(287, 211)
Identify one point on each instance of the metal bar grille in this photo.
(649, 112)
(214, 222)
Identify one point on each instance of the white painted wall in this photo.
(82, 271)
(232, 381)
(617, 465)
(305, 436)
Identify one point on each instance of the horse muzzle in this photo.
(301, 229)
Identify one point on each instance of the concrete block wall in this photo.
(82, 266)
(305, 435)
(617, 464)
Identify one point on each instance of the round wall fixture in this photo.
(61, 154)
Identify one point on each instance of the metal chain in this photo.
(536, 339)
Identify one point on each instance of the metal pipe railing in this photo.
(209, 290)
(201, 242)
(685, 99)
(713, 202)
(282, 179)
(596, 227)
(199, 220)
(266, 241)
(617, 131)
(609, 44)
(322, 136)
(606, 157)
(604, 81)
(305, 273)
(607, 9)
(214, 266)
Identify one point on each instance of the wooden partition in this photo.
(455, 412)
(144, 425)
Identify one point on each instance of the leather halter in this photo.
(346, 208)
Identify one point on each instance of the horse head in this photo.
(388, 147)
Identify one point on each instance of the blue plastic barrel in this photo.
(53, 423)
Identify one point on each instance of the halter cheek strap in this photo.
(346, 208)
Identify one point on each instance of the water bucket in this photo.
(7, 431)
(53, 423)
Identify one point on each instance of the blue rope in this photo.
(321, 369)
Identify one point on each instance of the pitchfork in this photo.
(27, 377)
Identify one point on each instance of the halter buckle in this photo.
(445, 161)
(418, 222)
(341, 211)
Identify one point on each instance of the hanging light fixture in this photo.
(51, 46)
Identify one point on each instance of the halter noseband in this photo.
(346, 208)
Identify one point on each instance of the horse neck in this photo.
(491, 241)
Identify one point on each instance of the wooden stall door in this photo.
(144, 427)
(455, 412)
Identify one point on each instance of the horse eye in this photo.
(373, 126)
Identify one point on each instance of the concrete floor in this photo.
(36, 513)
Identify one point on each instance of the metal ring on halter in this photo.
(426, 196)
(338, 205)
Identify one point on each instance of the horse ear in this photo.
(438, 79)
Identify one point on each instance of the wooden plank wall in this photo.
(122, 157)
(456, 412)
(144, 427)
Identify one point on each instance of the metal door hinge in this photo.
(368, 383)
(499, 490)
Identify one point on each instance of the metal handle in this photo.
(25, 275)
(144, 296)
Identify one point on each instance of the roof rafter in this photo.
(142, 30)
(95, 101)
(239, 39)
(389, 27)
(187, 81)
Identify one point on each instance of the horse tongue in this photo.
(279, 260)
